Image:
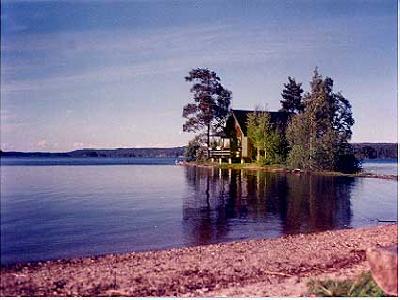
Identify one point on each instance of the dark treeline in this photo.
(110, 153)
(361, 150)
(375, 150)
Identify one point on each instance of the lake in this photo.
(62, 208)
(382, 167)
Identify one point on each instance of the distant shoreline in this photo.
(362, 151)
(265, 267)
(171, 152)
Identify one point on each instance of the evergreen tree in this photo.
(292, 97)
(298, 137)
(319, 137)
(211, 102)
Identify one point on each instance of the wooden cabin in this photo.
(234, 144)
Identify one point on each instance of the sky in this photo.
(106, 74)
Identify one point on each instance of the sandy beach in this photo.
(268, 267)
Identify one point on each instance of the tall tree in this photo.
(319, 137)
(211, 103)
(298, 137)
(292, 96)
(264, 137)
(257, 124)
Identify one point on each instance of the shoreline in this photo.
(285, 170)
(262, 267)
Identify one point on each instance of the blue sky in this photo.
(109, 74)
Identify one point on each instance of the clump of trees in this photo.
(319, 135)
(316, 138)
(210, 105)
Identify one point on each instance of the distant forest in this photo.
(119, 152)
(361, 150)
(375, 150)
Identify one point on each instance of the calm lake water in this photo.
(385, 167)
(55, 209)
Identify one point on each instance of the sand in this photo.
(267, 267)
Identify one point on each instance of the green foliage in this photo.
(211, 102)
(292, 97)
(319, 136)
(298, 137)
(273, 148)
(265, 138)
(196, 149)
(256, 129)
(298, 158)
(364, 286)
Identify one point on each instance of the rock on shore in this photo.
(278, 267)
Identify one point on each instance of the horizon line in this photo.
(146, 147)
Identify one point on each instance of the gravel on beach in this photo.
(267, 267)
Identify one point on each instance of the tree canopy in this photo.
(210, 104)
(292, 97)
(264, 137)
(319, 136)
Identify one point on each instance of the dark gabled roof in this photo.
(277, 117)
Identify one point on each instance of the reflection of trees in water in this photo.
(318, 203)
(203, 209)
(298, 203)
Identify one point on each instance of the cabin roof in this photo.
(277, 117)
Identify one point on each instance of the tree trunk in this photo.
(208, 141)
(258, 153)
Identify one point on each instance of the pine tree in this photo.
(292, 97)
(211, 103)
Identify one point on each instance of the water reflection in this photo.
(219, 199)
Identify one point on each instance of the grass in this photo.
(364, 286)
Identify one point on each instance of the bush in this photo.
(195, 150)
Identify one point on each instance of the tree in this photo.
(273, 152)
(256, 130)
(319, 136)
(195, 150)
(211, 103)
(298, 137)
(292, 97)
(264, 137)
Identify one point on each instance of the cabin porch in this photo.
(221, 150)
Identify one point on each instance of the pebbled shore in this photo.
(268, 267)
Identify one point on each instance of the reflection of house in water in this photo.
(231, 204)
